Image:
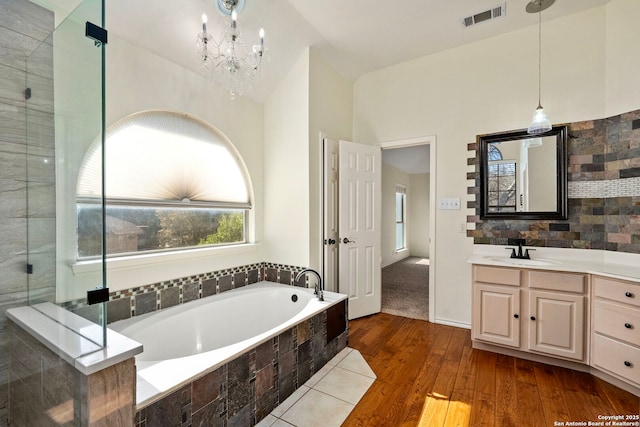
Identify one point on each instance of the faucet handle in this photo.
(526, 253)
(513, 252)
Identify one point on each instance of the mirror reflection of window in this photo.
(523, 176)
(502, 189)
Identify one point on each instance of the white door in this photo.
(359, 226)
(330, 221)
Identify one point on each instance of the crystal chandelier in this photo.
(228, 60)
(539, 123)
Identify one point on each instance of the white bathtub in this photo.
(186, 340)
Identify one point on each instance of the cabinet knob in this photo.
(627, 363)
(628, 294)
(628, 325)
(516, 316)
(533, 317)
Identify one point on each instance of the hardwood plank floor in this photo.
(428, 375)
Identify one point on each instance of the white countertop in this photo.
(623, 266)
(73, 338)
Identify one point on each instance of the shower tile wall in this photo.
(23, 27)
(603, 190)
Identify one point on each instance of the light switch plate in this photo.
(449, 203)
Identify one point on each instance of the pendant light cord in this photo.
(539, 54)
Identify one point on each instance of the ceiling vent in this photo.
(486, 15)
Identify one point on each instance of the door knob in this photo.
(533, 317)
(516, 316)
(346, 240)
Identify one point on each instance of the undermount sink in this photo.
(521, 262)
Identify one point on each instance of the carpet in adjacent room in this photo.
(405, 288)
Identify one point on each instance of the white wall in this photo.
(390, 177)
(136, 81)
(622, 59)
(312, 99)
(483, 87)
(330, 113)
(418, 209)
(286, 166)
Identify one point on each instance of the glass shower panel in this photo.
(64, 115)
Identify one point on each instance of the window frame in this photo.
(401, 190)
(246, 208)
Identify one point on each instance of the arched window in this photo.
(171, 181)
(494, 152)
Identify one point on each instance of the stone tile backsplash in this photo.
(603, 189)
(147, 298)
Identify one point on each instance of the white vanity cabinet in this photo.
(616, 328)
(547, 309)
(496, 306)
(557, 316)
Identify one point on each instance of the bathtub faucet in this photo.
(319, 289)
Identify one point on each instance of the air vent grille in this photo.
(486, 15)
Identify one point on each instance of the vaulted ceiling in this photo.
(354, 36)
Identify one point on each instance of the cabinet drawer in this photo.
(497, 275)
(617, 290)
(553, 280)
(614, 356)
(617, 321)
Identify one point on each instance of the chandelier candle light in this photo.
(227, 59)
(540, 123)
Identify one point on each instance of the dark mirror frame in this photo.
(483, 141)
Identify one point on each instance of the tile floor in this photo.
(328, 397)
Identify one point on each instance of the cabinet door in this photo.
(496, 316)
(556, 324)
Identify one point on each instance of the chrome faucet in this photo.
(319, 289)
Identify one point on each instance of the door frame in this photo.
(321, 202)
(429, 140)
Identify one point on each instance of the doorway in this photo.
(408, 230)
(421, 241)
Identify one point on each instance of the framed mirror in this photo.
(523, 176)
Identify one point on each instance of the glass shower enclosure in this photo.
(64, 98)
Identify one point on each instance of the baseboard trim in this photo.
(447, 322)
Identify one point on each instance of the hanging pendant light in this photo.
(540, 123)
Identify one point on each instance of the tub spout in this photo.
(319, 289)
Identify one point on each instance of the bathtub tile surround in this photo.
(248, 388)
(339, 386)
(603, 190)
(147, 298)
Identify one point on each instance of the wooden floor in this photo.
(428, 375)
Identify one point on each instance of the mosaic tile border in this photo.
(144, 299)
(623, 187)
